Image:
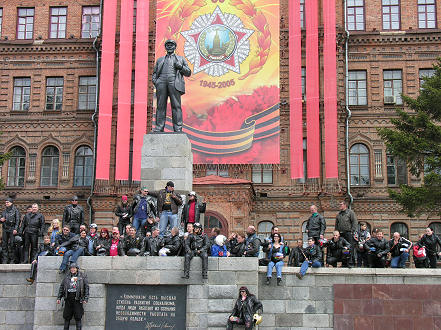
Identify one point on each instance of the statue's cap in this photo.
(170, 41)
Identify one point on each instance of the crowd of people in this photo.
(150, 227)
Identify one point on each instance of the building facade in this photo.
(50, 59)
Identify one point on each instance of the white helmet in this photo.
(220, 240)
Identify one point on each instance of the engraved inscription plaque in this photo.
(146, 307)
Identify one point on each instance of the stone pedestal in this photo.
(166, 157)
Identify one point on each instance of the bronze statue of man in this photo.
(168, 78)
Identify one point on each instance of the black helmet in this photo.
(197, 225)
(18, 240)
(73, 264)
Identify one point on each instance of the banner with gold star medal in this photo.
(231, 106)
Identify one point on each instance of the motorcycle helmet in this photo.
(257, 318)
(62, 251)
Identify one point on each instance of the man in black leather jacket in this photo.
(132, 243)
(338, 249)
(32, 227)
(313, 255)
(124, 212)
(76, 247)
(377, 248)
(244, 309)
(430, 241)
(10, 220)
(252, 243)
(237, 246)
(196, 245)
(73, 216)
(316, 225)
(150, 245)
(172, 242)
(74, 289)
(296, 256)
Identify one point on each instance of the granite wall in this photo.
(326, 298)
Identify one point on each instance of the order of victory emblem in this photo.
(217, 43)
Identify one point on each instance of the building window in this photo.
(25, 23)
(262, 173)
(391, 14)
(399, 227)
(303, 83)
(83, 166)
(302, 14)
(305, 166)
(58, 22)
(49, 167)
(212, 220)
(22, 93)
(355, 15)
(135, 4)
(357, 88)
(1, 20)
(378, 156)
(305, 235)
(87, 93)
(54, 93)
(216, 169)
(396, 171)
(425, 73)
(393, 86)
(359, 157)
(90, 22)
(16, 167)
(426, 14)
(264, 229)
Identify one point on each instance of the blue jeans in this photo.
(400, 261)
(278, 265)
(167, 218)
(138, 223)
(305, 265)
(73, 255)
(90, 247)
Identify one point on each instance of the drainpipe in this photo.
(348, 112)
(95, 113)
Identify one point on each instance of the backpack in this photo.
(419, 252)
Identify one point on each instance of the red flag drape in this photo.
(295, 90)
(106, 91)
(312, 89)
(141, 83)
(124, 91)
(330, 89)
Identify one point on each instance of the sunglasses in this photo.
(115, 233)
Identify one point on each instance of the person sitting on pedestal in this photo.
(399, 248)
(44, 249)
(101, 245)
(275, 256)
(150, 245)
(196, 245)
(377, 248)
(132, 243)
(171, 243)
(313, 255)
(244, 311)
(296, 255)
(338, 250)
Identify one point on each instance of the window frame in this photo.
(54, 166)
(26, 85)
(421, 75)
(18, 168)
(397, 165)
(90, 30)
(399, 223)
(1, 20)
(355, 16)
(82, 156)
(87, 94)
(57, 24)
(25, 32)
(383, 6)
(213, 169)
(398, 98)
(425, 5)
(260, 169)
(302, 15)
(56, 93)
(357, 89)
(359, 165)
(264, 234)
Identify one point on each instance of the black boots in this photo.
(279, 281)
(268, 279)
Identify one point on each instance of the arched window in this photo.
(16, 167)
(264, 229)
(401, 228)
(83, 166)
(359, 165)
(49, 167)
(213, 219)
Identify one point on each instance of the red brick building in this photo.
(49, 58)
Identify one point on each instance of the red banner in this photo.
(141, 83)
(330, 89)
(312, 89)
(106, 91)
(124, 91)
(295, 90)
(231, 105)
